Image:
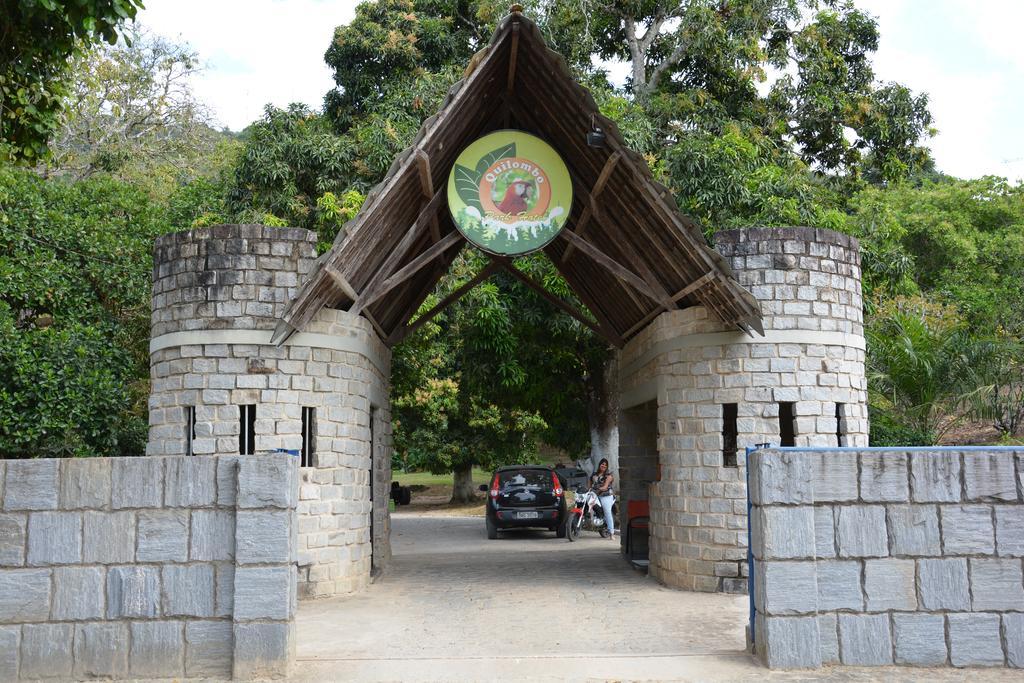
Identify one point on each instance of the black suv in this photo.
(525, 496)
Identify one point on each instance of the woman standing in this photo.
(602, 484)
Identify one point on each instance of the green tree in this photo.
(915, 366)
(37, 40)
(959, 241)
(131, 112)
(75, 267)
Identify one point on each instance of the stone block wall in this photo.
(217, 297)
(811, 358)
(163, 567)
(887, 556)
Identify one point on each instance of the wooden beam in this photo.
(427, 185)
(405, 330)
(413, 267)
(350, 292)
(693, 286)
(340, 280)
(681, 294)
(613, 266)
(592, 208)
(407, 241)
(554, 300)
(512, 59)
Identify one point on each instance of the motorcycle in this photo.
(586, 513)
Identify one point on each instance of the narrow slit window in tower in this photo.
(308, 436)
(840, 435)
(190, 429)
(729, 434)
(247, 429)
(787, 430)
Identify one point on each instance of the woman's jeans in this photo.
(609, 520)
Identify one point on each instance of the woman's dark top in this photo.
(599, 480)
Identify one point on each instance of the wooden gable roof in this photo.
(626, 251)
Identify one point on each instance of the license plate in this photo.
(527, 515)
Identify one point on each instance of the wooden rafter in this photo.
(404, 331)
(406, 243)
(613, 266)
(413, 267)
(513, 54)
(554, 300)
(591, 208)
(350, 292)
(681, 294)
(427, 185)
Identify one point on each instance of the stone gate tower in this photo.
(219, 386)
(695, 394)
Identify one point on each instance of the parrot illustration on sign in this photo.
(509, 193)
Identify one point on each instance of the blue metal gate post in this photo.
(750, 553)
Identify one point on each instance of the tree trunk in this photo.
(603, 414)
(462, 486)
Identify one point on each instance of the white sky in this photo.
(966, 55)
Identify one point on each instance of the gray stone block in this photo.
(263, 650)
(1010, 530)
(190, 481)
(225, 602)
(824, 532)
(862, 531)
(12, 539)
(1013, 627)
(78, 593)
(914, 530)
(101, 650)
(996, 585)
(24, 595)
(31, 484)
(780, 477)
(889, 585)
(865, 639)
(935, 477)
(967, 530)
(267, 481)
(163, 536)
(943, 584)
(989, 476)
(10, 645)
(188, 590)
(227, 480)
(264, 536)
(839, 585)
(828, 636)
(213, 535)
(158, 649)
(920, 639)
(137, 482)
(883, 477)
(54, 538)
(109, 537)
(46, 650)
(974, 640)
(262, 593)
(85, 483)
(834, 476)
(133, 592)
(783, 588)
(209, 647)
(788, 642)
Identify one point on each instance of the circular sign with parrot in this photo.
(509, 193)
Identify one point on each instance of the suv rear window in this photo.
(524, 479)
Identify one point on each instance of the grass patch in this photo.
(427, 479)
